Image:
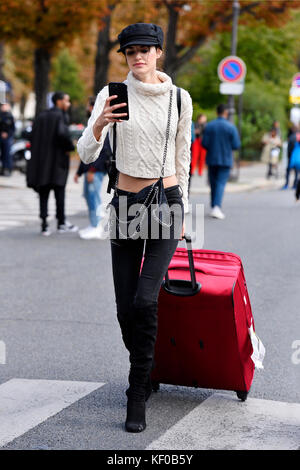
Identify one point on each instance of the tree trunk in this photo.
(2, 77)
(102, 57)
(177, 55)
(170, 63)
(42, 63)
(22, 105)
(104, 46)
(173, 59)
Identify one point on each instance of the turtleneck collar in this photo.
(151, 88)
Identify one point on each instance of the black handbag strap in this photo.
(114, 173)
(167, 134)
(178, 101)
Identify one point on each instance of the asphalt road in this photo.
(58, 320)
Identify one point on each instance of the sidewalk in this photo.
(252, 176)
(18, 180)
(20, 205)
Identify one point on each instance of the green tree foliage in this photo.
(263, 104)
(66, 76)
(271, 57)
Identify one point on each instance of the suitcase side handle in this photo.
(182, 287)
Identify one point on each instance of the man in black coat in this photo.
(49, 164)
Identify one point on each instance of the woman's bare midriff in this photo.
(134, 184)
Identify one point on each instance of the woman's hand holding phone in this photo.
(107, 116)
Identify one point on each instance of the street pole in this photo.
(240, 111)
(234, 38)
(235, 17)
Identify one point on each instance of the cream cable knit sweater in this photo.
(141, 139)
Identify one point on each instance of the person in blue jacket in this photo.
(292, 139)
(220, 138)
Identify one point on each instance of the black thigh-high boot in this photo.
(125, 322)
(141, 359)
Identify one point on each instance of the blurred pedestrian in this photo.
(276, 126)
(271, 151)
(49, 164)
(7, 129)
(293, 138)
(220, 138)
(190, 169)
(297, 193)
(291, 130)
(198, 151)
(93, 177)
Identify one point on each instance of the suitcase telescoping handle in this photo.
(179, 286)
(188, 240)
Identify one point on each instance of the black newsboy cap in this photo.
(144, 34)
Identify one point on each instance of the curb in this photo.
(19, 182)
(243, 187)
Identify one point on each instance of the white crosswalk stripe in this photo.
(222, 422)
(25, 403)
(19, 205)
(9, 224)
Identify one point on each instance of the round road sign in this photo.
(232, 69)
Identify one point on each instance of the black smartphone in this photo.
(120, 89)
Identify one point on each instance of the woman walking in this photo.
(153, 161)
(271, 151)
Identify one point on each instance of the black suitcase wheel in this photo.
(242, 395)
(155, 386)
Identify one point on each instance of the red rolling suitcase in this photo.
(204, 314)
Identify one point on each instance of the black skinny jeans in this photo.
(137, 290)
(59, 192)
